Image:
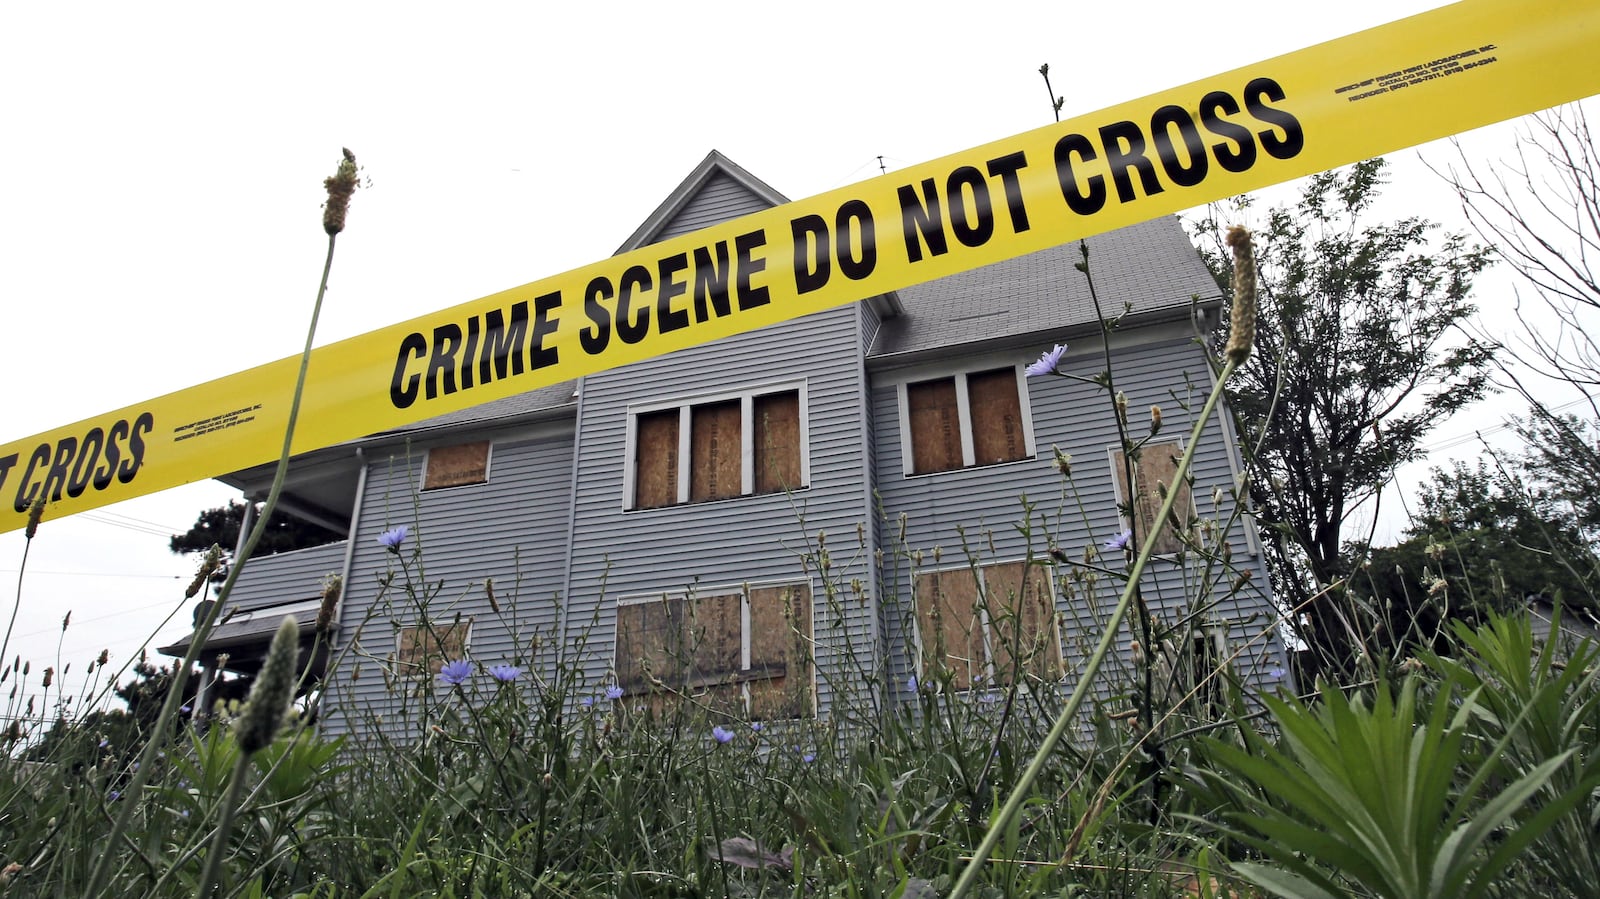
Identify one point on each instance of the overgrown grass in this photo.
(1476, 772)
(1466, 768)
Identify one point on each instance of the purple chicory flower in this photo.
(755, 726)
(1276, 673)
(587, 702)
(392, 538)
(1048, 360)
(721, 734)
(505, 674)
(808, 758)
(614, 692)
(1120, 541)
(911, 684)
(455, 673)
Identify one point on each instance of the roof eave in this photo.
(1191, 311)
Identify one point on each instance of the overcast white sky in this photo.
(161, 169)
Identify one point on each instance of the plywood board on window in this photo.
(935, 422)
(997, 427)
(779, 677)
(655, 474)
(649, 645)
(1156, 467)
(777, 442)
(1022, 618)
(716, 466)
(715, 638)
(949, 625)
(457, 466)
(424, 648)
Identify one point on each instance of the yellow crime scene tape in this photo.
(1395, 86)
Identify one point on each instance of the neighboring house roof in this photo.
(1576, 622)
(245, 635)
(1151, 269)
(253, 625)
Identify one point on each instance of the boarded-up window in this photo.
(1022, 621)
(734, 653)
(655, 476)
(983, 411)
(713, 450)
(1154, 471)
(423, 648)
(935, 420)
(996, 417)
(951, 627)
(650, 645)
(457, 466)
(715, 639)
(715, 464)
(995, 622)
(780, 652)
(777, 442)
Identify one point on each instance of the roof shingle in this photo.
(1150, 267)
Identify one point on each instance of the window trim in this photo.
(969, 451)
(747, 427)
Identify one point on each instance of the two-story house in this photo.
(774, 520)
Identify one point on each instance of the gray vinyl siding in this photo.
(987, 501)
(512, 529)
(754, 539)
(287, 577)
(720, 199)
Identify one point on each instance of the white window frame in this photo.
(964, 412)
(747, 428)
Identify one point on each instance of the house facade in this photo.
(797, 520)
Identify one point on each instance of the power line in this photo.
(130, 524)
(171, 577)
(56, 629)
(1448, 443)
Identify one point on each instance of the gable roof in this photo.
(724, 190)
(1151, 269)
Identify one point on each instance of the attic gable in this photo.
(717, 190)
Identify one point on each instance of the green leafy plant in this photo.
(1367, 795)
(1536, 702)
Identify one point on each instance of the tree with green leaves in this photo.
(221, 525)
(1482, 540)
(1359, 355)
